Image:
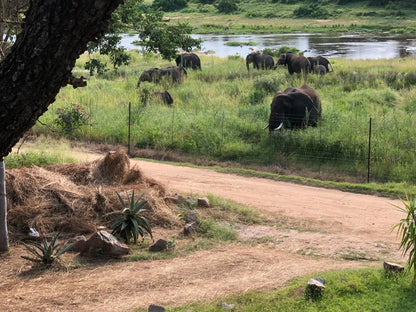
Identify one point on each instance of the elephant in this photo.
(150, 75)
(295, 63)
(319, 69)
(164, 96)
(174, 73)
(294, 108)
(319, 60)
(264, 61)
(188, 60)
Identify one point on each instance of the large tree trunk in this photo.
(54, 34)
(4, 237)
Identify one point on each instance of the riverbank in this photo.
(253, 17)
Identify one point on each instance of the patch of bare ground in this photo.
(308, 230)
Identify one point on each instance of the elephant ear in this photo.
(283, 99)
(301, 101)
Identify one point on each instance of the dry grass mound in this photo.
(74, 198)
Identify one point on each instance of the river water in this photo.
(348, 45)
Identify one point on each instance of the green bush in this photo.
(226, 6)
(313, 10)
(169, 5)
(71, 118)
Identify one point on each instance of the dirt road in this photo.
(342, 226)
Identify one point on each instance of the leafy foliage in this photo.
(407, 230)
(71, 118)
(169, 5)
(131, 223)
(156, 34)
(311, 10)
(45, 253)
(226, 6)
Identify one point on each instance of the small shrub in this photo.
(169, 5)
(311, 10)
(71, 118)
(45, 253)
(131, 223)
(256, 97)
(269, 84)
(226, 6)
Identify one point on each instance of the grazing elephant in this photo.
(319, 69)
(264, 61)
(150, 75)
(320, 60)
(164, 96)
(295, 63)
(188, 60)
(174, 73)
(294, 108)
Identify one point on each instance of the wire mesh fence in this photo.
(373, 149)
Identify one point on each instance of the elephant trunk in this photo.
(275, 122)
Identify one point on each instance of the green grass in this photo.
(219, 112)
(361, 290)
(46, 152)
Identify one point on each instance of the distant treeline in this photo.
(231, 6)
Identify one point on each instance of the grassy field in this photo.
(277, 17)
(219, 114)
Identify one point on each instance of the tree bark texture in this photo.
(54, 34)
(4, 237)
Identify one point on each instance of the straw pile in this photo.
(74, 198)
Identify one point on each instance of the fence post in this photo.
(369, 153)
(172, 127)
(128, 144)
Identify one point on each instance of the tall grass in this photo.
(219, 113)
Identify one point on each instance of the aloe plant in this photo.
(407, 230)
(131, 222)
(45, 253)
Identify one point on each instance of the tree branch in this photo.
(76, 82)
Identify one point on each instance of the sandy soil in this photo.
(345, 230)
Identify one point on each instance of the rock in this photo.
(176, 199)
(155, 308)
(391, 267)
(160, 245)
(228, 307)
(315, 287)
(33, 233)
(191, 201)
(203, 202)
(190, 228)
(192, 217)
(78, 243)
(192, 223)
(105, 244)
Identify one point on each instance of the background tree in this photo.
(54, 34)
(11, 14)
(169, 5)
(226, 6)
(155, 34)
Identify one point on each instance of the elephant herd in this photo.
(294, 63)
(292, 108)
